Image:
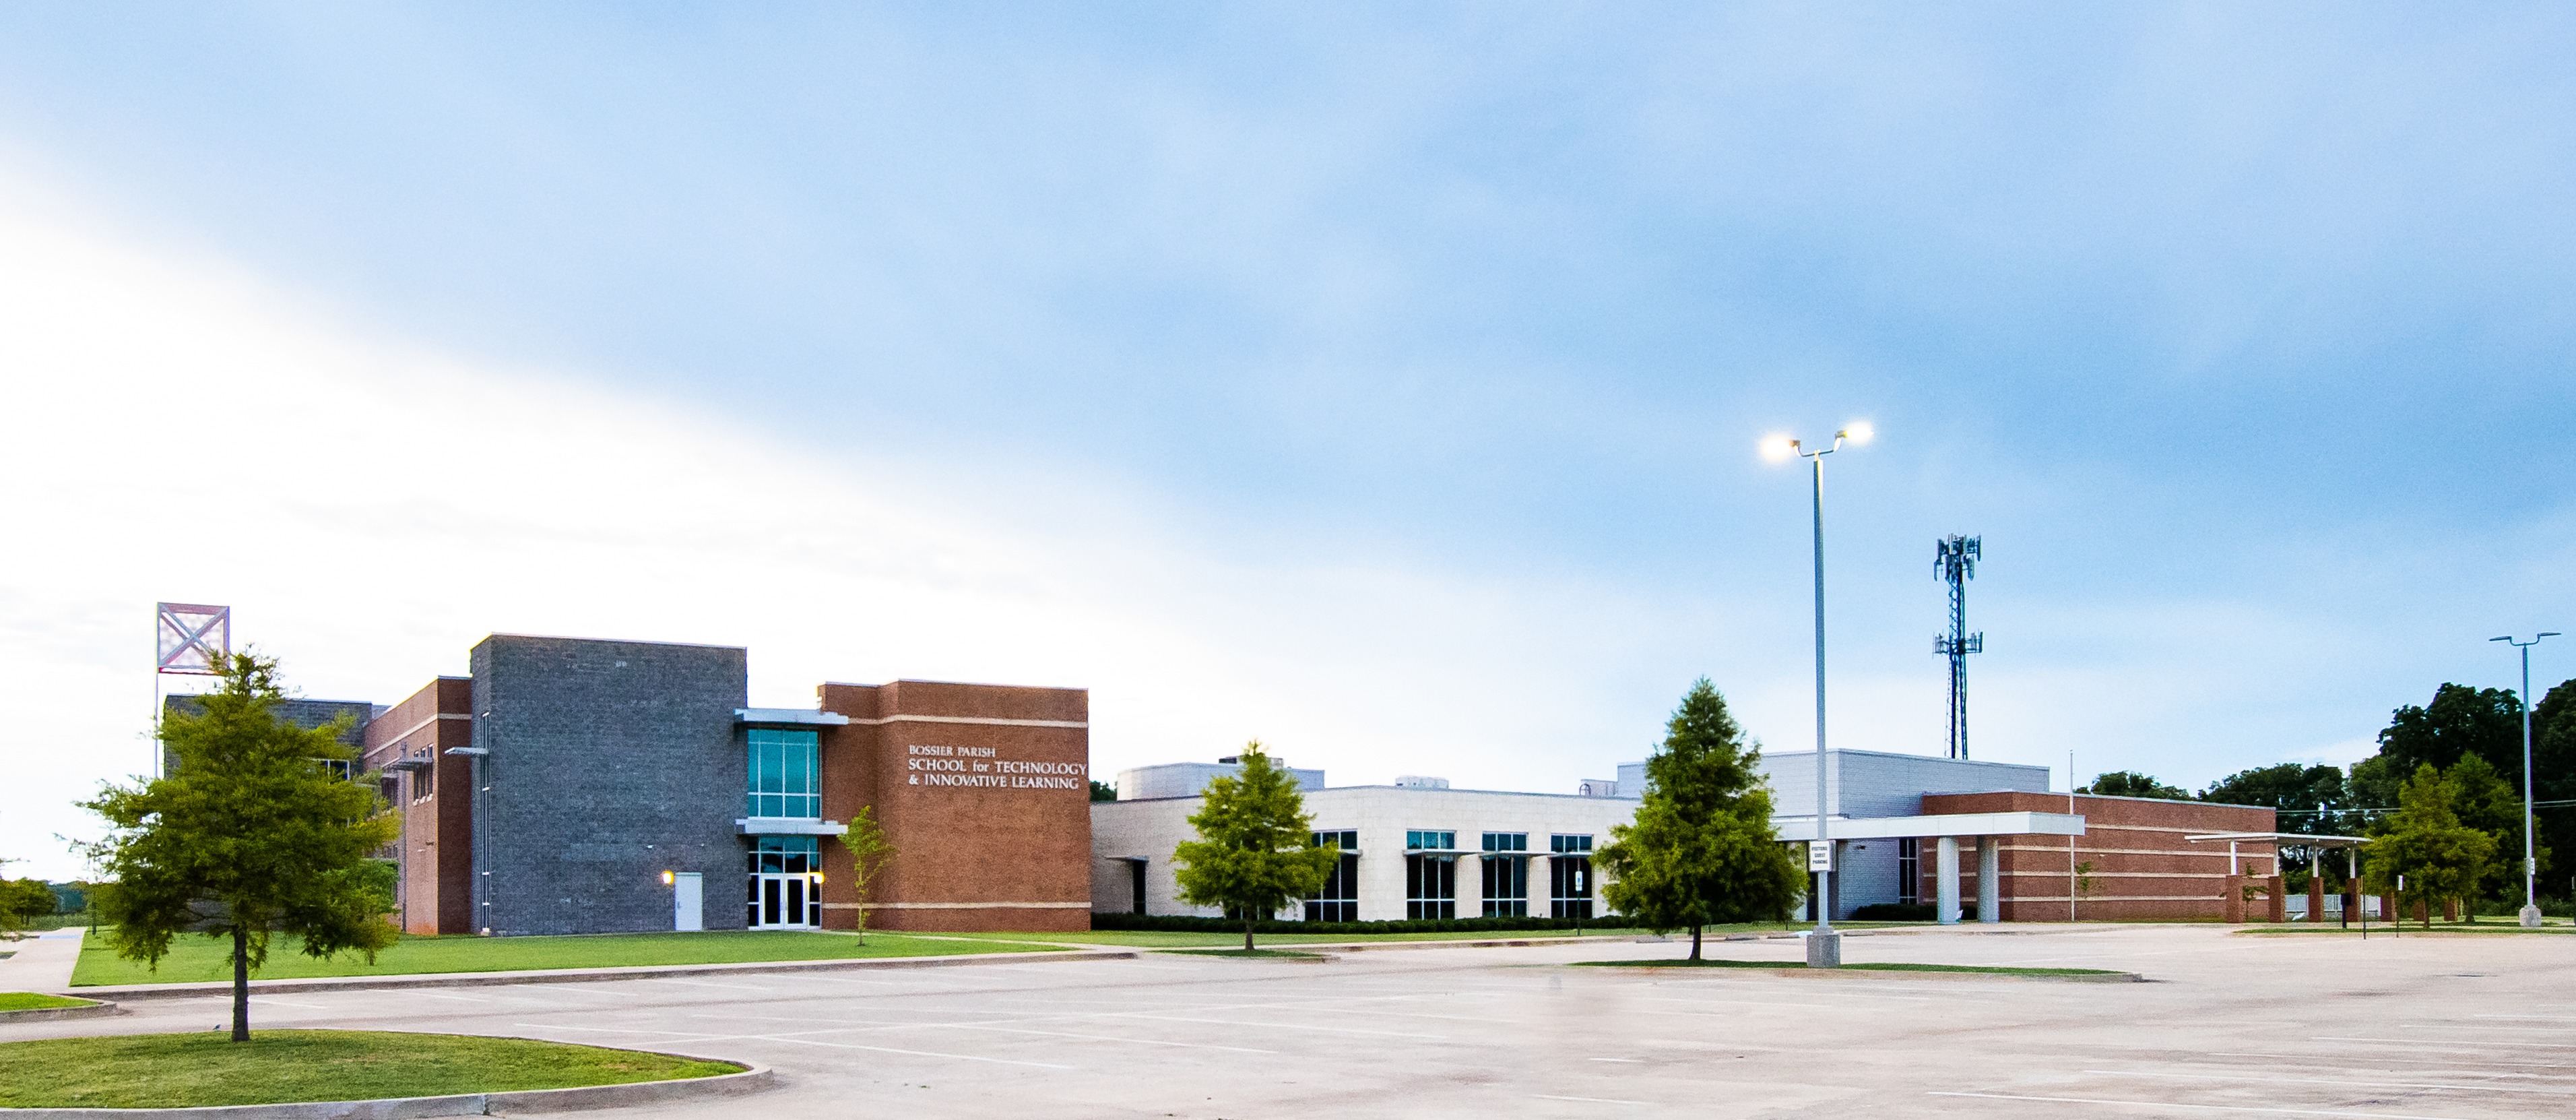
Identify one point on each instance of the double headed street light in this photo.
(2530, 865)
(1824, 946)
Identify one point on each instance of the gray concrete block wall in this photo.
(1876, 784)
(611, 762)
(302, 713)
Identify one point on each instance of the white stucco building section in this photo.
(1124, 831)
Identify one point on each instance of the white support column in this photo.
(1471, 886)
(1945, 881)
(1990, 907)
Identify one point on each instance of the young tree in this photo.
(250, 836)
(1702, 850)
(2486, 803)
(870, 851)
(2425, 842)
(1256, 849)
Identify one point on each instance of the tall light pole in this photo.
(1824, 946)
(2530, 865)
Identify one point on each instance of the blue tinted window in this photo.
(783, 782)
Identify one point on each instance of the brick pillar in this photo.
(2450, 909)
(2233, 906)
(2422, 915)
(2276, 904)
(2316, 898)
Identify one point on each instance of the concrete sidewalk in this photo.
(43, 962)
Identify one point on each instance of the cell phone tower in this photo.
(1954, 561)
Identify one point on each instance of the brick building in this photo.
(582, 786)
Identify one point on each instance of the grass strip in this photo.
(1888, 966)
(277, 1067)
(1172, 939)
(37, 1001)
(200, 959)
(1243, 953)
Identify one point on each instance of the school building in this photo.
(571, 785)
(1975, 840)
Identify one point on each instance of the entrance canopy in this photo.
(1932, 824)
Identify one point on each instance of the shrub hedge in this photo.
(1893, 912)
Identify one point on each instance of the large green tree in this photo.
(1701, 850)
(2425, 842)
(2130, 783)
(1256, 848)
(2307, 799)
(250, 836)
(2461, 720)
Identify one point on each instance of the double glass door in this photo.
(785, 884)
(785, 902)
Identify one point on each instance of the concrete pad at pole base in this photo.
(1824, 950)
(2531, 917)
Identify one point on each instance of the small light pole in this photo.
(2530, 864)
(1824, 946)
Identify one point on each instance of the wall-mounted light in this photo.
(818, 877)
(668, 878)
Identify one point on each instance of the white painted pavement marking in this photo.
(2546, 1090)
(683, 1036)
(1102, 1038)
(704, 984)
(2205, 1107)
(1585, 1100)
(1614, 1059)
(2419, 1042)
(286, 1003)
(462, 999)
(1247, 1023)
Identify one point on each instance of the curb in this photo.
(753, 1080)
(48, 1014)
(578, 975)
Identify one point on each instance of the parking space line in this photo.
(2419, 1042)
(2203, 1107)
(1103, 1038)
(914, 1053)
(1593, 1100)
(460, 999)
(2545, 1090)
(1265, 1026)
(704, 984)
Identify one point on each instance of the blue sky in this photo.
(1385, 384)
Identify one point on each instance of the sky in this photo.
(1382, 384)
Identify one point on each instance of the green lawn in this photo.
(32, 1001)
(1892, 966)
(1159, 939)
(202, 958)
(202, 1069)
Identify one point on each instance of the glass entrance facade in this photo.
(1430, 874)
(1506, 875)
(1339, 899)
(1569, 877)
(784, 779)
(785, 884)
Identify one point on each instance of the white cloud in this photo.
(370, 508)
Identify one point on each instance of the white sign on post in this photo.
(1820, 855)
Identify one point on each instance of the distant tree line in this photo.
(2455, 763)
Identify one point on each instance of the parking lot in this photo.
(2436, 1027)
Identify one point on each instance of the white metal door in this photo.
(688, 902)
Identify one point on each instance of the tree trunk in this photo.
(241, 984)
(1247, 931)
(1694, 942)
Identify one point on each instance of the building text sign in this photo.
(984, 768)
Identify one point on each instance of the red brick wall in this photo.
(437, 840)
(2142, 868)
(968, 856)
